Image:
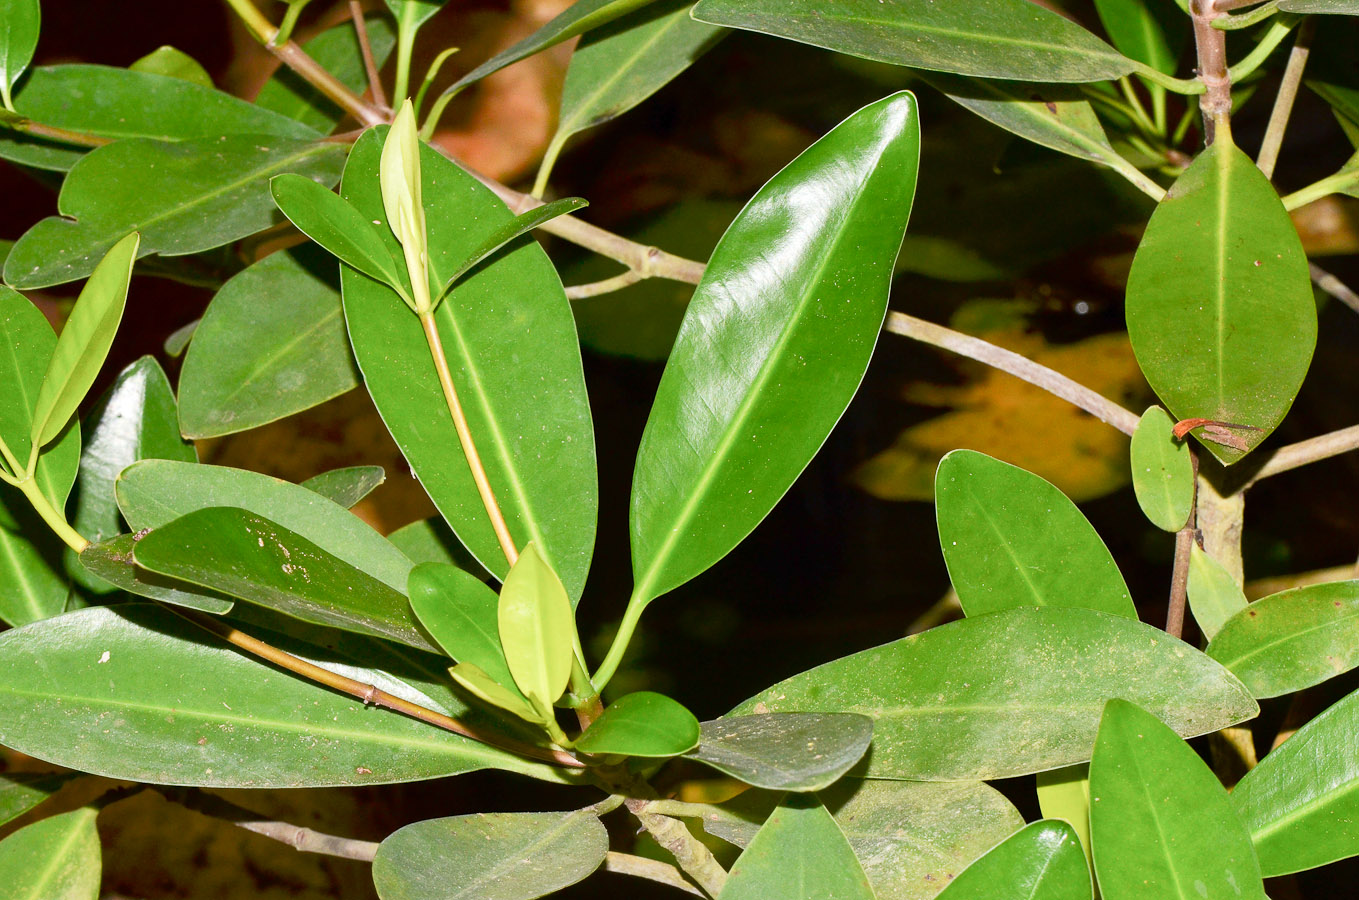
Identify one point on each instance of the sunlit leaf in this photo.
(460, 612)
(335, 225)
(112, 562)
(537, 629)
(1041, 862)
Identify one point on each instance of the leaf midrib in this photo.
(53, 862)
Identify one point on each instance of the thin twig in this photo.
(605, 286)
(693, 857)
(1211, 44)
(1333, 286)
(304, 839)
(1309, 451)
(52, 132)
(1283, 101)
(366, 49)
(1025, 369)
(650, 869)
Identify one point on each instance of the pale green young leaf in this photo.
(642, 724)
(537, 629)
(56, 858)
(414, 13)
(173, 63)
(800, 853)
(85, 341)
(347, 486)
(482, 686)
(403, 201)
(1214, 595)
(1041, 862)
(1065, 794)
(19, 25)
(31, 587)
(1162, 472)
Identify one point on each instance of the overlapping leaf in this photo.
(642, 724)
(785, 751)
(337, 51)
(1041, 862)
(56, 858)
(1162, 472)
(800, 853)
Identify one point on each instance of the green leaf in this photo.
(537, 629)
(911, 836)
(1219, 304)
(19, 24)
(532, 423)
(800, 853)
(335, 225)
(272, 343)
(1162, 472)
(770, 353)
(32, 586)
(643, 724)
(785, 751)
(1041, 862)
(346, 487)
(460, 612)
(431, 540)
(112, 561)
(1012, 539)
(1003, 39)
(20, 791)
(255, 559)
(1338, 7)
(504, 696)
(153, 493)
(1065, 794)
(1301, 803)
(1142, 29)
(403, 202)
(496, 856)
(183, 197)
(1214, 595)
(85, 341)
(119, 104)
(173, 63)
(1292, 640)
(999, 680)
(626, 61)
(1162, 824)
(238, 722)
(55, 859)
(578, 18)
(338, 52)
(415, 12)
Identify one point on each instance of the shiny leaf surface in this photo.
(1162, 472)
(520, 225)
(800, 853)
(1214, 595)
(19, 24)
(643, 724)
(460, 612)
(1041, 862)
(112, 562)
(56, 858)
(1065, 794)
(32, 586)
(785, 751)
(337, 50)
(537, 629)
(346, 487)
(335, 225)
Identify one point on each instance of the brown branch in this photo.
(650, 869)
(693, 857)
(1185, 540)
(1309, 451)
(304, 839)
(606, 286)
(366, 49)
(52, 132)
(1211, 45)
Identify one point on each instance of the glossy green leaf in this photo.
(272, 343)
(1338, 7)
(32, 585)
(346, 487)
(337, 50)
(1002, 39)
(531, 422)
(153, 493)
(336, 226)
(912, 837)
(19, 25)
(1219, 305)
(173, 63)
(183, 197)
(119, 104)
(643, 724)
(112, 562)
(800, 853)
(1162, 472)
(1065, 794)
(1149, 31)
(1214, 595)
(773, 346)
(1292, 640)
(503, 696)
(626, 61)
(1301, 803)
(537, 629)
(56, 858)
(21, 791)
(102, 703)
(1162, 824)
(253, 558)
(578, 18)
(785, 751)
(1041, 862)
(1002, 678)
(1012, 539)
(496, 856)
(460, 611)
(85, 341)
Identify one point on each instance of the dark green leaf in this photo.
(460, 612)
(120, 104)
(537, 629)
(173, 63)
(1162, 472)
(642, 724)
(531, 422)
(20, 792)
(1000, 39)
(1162, 825)
(32, 585)
(1339, 7)
(229, 721)
(55, 859)
(183, 197)
(253, 558)
(1003, 678)
(1041, 862)
(1143, 29)
(771, 352)
(1301, 804)
(272, 343)
(785, 751)
(19, 24)
(800, 853)
(1292, 640)
(152, 493)
(1012, 539)
(337, 50)
(496, 856)
(1220, 309)
(431, 540)
(112, 562)
(346, 487)
(335, 225)
(520, 225)
(1214, 595)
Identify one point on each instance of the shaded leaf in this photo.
(32, 586)
(337, 50)
(771, 351)
(1065, 794)
(494, 856)
(22, 791)
(1214, 596)
(112, 561)
(643, 724)
(173, 63)
(56, 858)
(431, 540)
(800, 853)
(537, 629)
(1148, 31)
(1162, 472)
(346, 487)
(19, 24)
(1041, 862)
(460, 612)
(785, 751)
(1339, 7)
(1001, 679)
